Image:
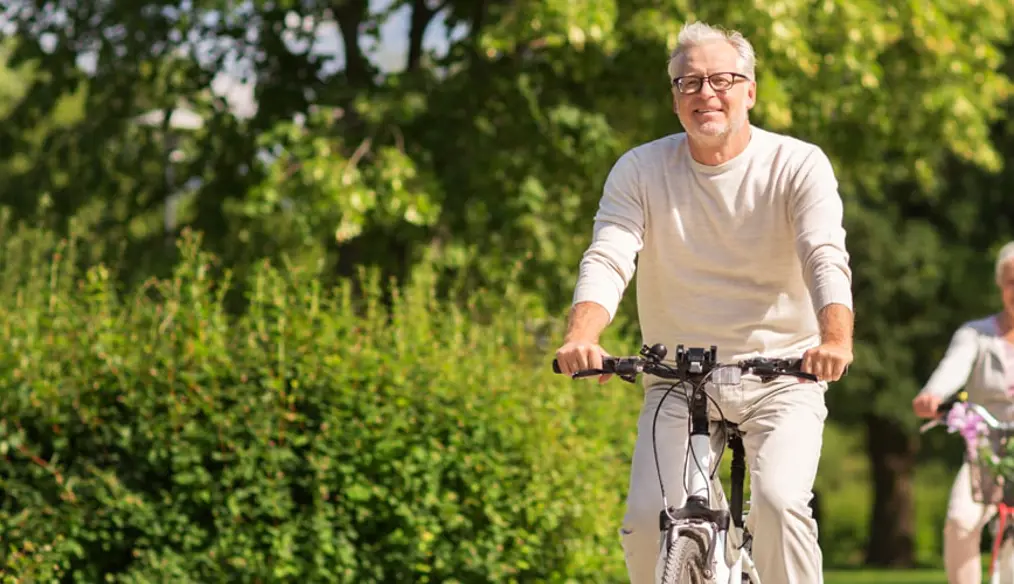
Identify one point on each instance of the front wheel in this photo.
(684, 563)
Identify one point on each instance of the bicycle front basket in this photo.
(987, 486)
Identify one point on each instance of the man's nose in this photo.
(706, 89)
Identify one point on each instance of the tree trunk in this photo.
(892, 453)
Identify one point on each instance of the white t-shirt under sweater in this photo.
(741, 255)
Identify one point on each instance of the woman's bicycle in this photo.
(980, 428)
(701, 542)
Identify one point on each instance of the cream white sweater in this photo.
(742, 255)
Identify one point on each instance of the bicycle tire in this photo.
(684, 564)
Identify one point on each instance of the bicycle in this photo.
(693, 533)
(989, 489)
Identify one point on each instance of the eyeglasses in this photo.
(690, 84)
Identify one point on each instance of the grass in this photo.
(885, 576)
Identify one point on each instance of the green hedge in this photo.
(322, 436)
(369, 433)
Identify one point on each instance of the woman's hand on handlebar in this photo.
(579, 355)
(925, 405)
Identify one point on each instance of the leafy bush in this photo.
(324, 436)
(363, 434)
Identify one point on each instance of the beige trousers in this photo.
(782, 424)
(963, 530)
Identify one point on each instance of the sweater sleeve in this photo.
(817, 215)
(607, 266)
(953, 370)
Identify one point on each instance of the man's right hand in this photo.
(925, 406)
(576, 356)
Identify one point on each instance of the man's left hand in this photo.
(827, 361)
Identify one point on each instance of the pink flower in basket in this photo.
(969, 424)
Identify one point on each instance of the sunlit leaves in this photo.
(550, 23)
(325, 186)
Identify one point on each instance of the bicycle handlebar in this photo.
(962, 397)
(690, 364)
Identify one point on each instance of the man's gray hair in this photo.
(1003, 258)
(698, 33)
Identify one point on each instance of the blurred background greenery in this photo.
(281, 280)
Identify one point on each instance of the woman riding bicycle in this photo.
(981, 359)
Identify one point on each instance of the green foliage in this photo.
(885, 576)
(323, 435)
(484, 164)
(331, 197)
(319, 437)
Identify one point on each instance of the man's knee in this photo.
(781, 505)
(640, 522)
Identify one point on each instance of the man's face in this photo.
(709, 114)
(1007, 287)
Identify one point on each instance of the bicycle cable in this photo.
(710, 473)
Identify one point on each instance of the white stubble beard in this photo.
(718, 132)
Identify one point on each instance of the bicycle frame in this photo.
(698, 513)
(1001, 561)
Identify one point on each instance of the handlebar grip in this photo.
(794, 364)
(946, 405)
(803, 375)
(608, 366)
